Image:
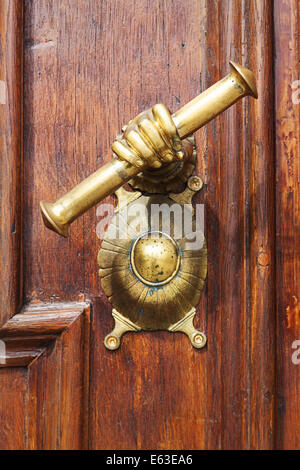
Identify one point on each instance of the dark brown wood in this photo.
(287, 54)
(224, 198)
(44, 378)
(11, 116)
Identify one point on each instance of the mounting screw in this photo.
(195, 183)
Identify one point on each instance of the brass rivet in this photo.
(195, 183)
(198, 338)
(112, 342)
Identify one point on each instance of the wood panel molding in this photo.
(27, 335)
(45, 376)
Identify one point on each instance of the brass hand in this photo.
(150, 139)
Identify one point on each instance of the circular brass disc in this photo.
(169, 177)
(155, 258)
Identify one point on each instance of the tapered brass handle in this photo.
(238, 83)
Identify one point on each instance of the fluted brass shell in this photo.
(157, 306)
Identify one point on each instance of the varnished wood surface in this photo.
(27, 334)
(210, 397)
(11, 115)
(89, 68)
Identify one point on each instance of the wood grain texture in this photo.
(13, 389)
(45, 378)
(240, 225)
(260, 239)
(11, 133)
(225, 426)
(287, 76)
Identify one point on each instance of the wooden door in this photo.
(71, 74)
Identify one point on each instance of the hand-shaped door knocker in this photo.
(153, 257)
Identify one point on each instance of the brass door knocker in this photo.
(153, 276)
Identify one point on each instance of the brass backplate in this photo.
(150, 271)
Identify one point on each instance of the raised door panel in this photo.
(44, 378)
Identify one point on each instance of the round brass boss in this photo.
(155, 258)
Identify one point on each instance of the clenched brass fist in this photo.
(150, 139)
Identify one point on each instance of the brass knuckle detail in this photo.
(152, 139)
(169, 177)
